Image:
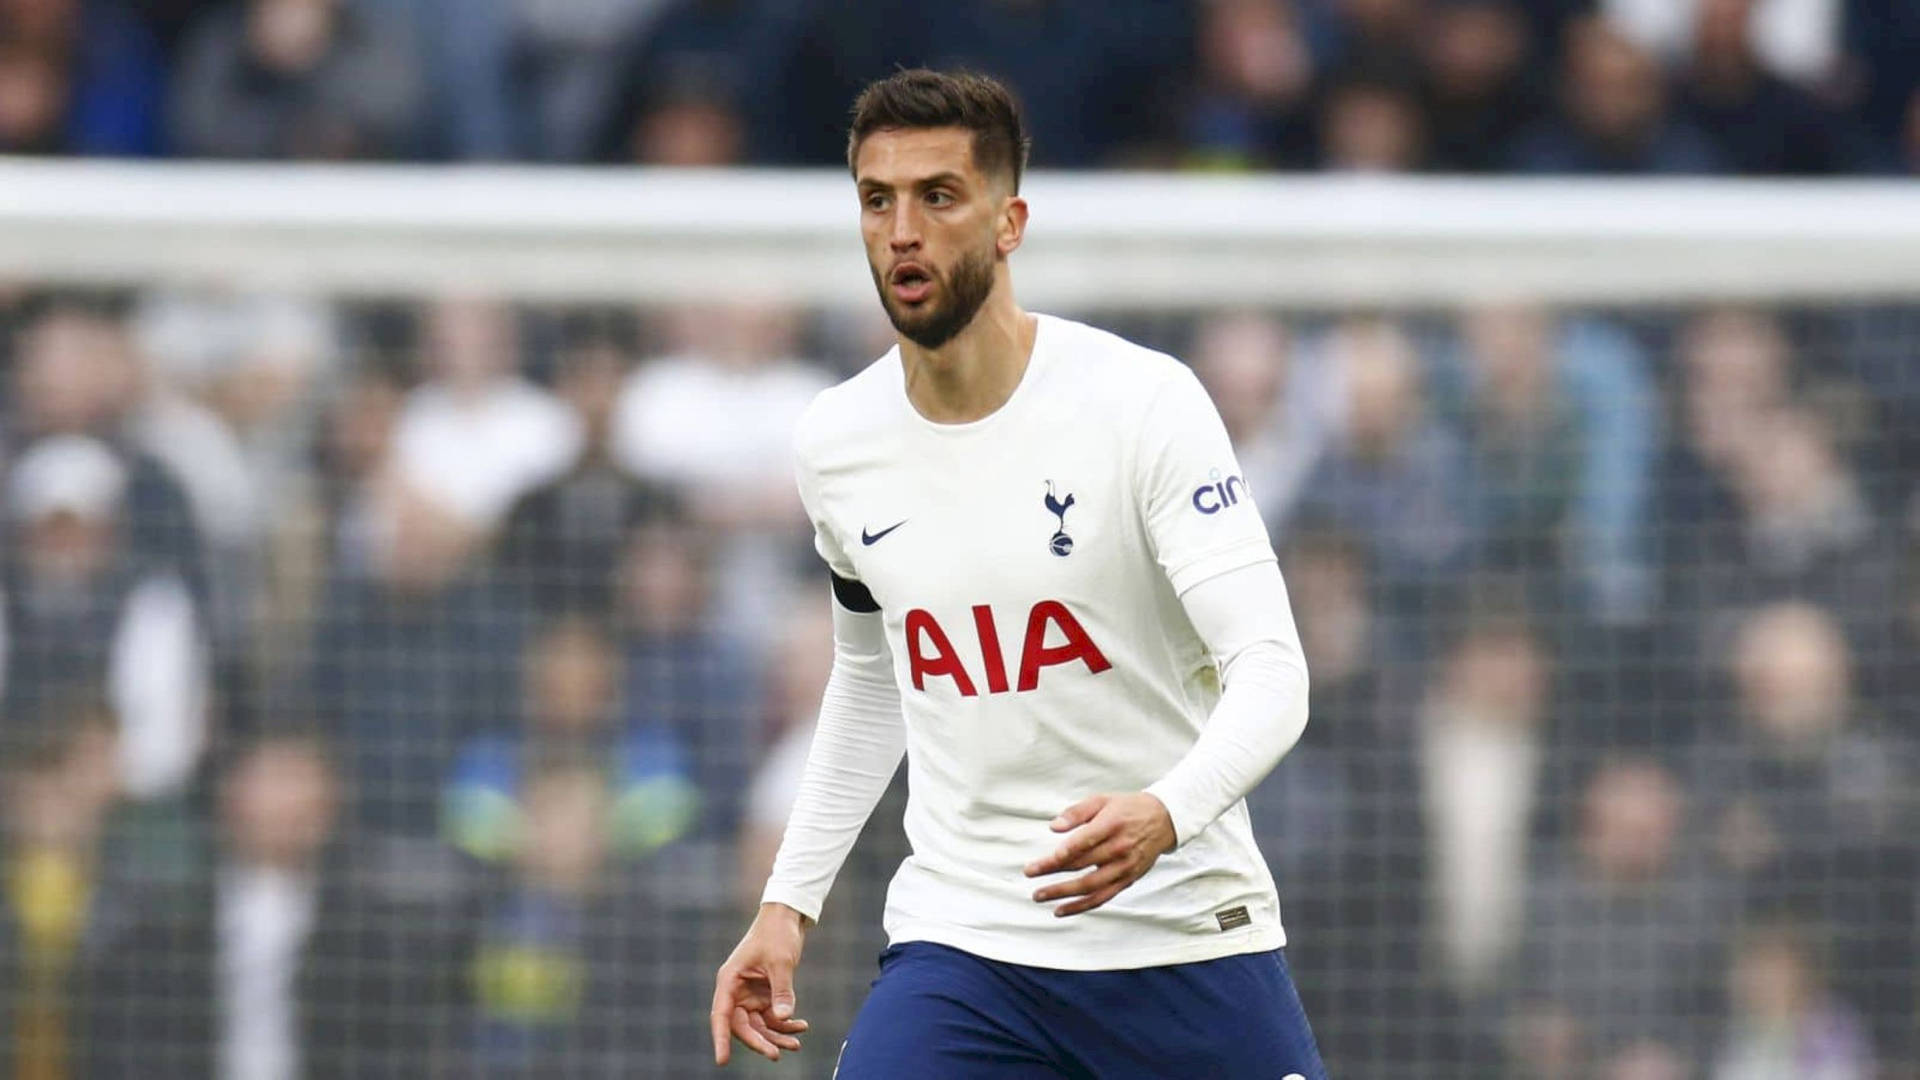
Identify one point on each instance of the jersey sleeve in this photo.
(824, 540)
(1200, 517)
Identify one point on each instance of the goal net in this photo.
(411, 635)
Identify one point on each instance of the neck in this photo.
(971, 376)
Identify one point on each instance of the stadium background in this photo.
(413, 685)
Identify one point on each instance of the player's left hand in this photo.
(1119, 836)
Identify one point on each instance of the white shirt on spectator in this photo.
(265, 918)
(157, 684)
(687, 421)
(1479, 781)
(473, 454)
(1798, 39)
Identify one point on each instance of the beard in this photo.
(951, 306)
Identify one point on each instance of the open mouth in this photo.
(910, 283)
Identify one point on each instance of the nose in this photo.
(905, 234)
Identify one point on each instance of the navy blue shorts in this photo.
(937, 1013)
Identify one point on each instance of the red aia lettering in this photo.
(1036, 653)
(989, 635)
(944, 660)
(931, 652)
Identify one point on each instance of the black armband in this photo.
(853, 596)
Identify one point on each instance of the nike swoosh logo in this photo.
(870, 539)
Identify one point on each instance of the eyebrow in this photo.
(948, 177)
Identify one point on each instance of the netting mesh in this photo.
(410, 690)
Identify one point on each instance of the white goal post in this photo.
(1095, 240)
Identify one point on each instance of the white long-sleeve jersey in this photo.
(1038, 606)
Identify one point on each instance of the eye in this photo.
(876, 201)
(937, 199)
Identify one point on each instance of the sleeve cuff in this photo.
(1185, 822)
(796, 899)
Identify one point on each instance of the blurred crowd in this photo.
(1725, 87)
(406, 690)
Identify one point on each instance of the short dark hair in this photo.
(919, 98)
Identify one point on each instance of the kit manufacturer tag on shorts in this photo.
(1233, 918)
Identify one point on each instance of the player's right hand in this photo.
(753, 993)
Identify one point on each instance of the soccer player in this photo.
(1053, 594)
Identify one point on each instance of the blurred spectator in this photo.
(561, 543)
(685, 675)
(836, 49)
(322, 970)
(1392, 475)
(523, 79)
(1340, 631)
(1804, 530)
(576, 970)
(572, 684)
(1613, 115)
(477, 435)
(355, 455)
(223, 382)
(1372, 123)
(689, 126)
(737, 362)
(1797, 38)
(1100, 85)
(1880, 78)
(1088, 78)
(73, 374)
(1761, 503)
(78, 77)
(1377, 34)
(99, 976)
(1738, 366)
(1482, 89)
(409, 659)
(277, 812)
(1802, 505)
(259, 363)
(32, 100)
(83, 617)
(1371, 902)
(1808, 790)
(1762, 124)
(692, 85)
(253, 362)
(300, 79)
(1785, 1024)
(1252, 93)
(1279, 404)
(1482, 744)
(1622, 940)
(1560, 426)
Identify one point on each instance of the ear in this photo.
(1011, 229)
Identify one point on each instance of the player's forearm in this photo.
(857, 745)
(1243, 616)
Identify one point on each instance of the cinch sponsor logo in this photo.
(1216, 494)
(930, 651)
